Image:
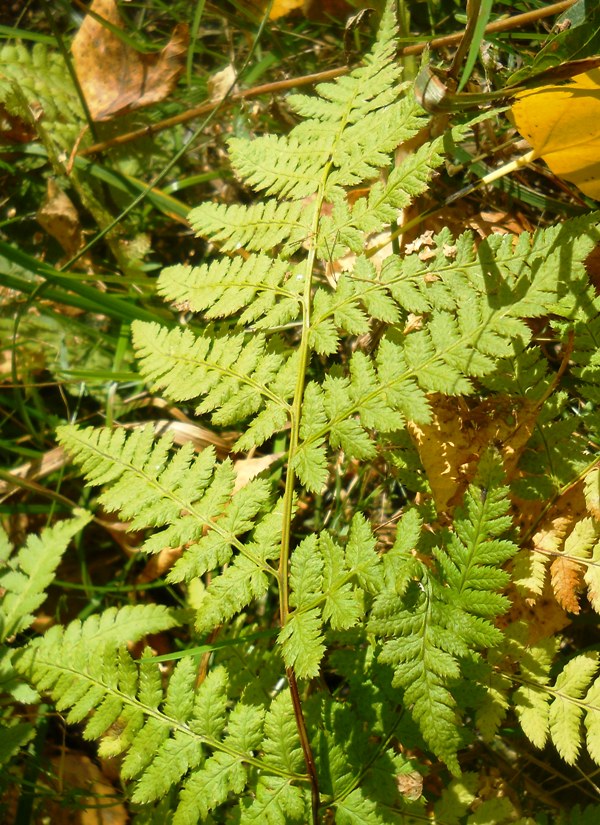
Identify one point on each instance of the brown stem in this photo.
(496, 26)
(306, 80)
(473, 12)
(190, 114)
(306, 749)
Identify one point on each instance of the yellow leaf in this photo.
(282, 7)
(562, 124)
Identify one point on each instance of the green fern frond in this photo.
(267, 290)
(350, 129)
(235, 376)
(327, 587)
(28, 573)
(432, 621)
(182, 735)
(24, 579)
(560, 711)
(259, 227)
(585, 344)
(192, 499)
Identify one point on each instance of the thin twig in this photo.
(319, 77)
(497, 26)
(190, 114)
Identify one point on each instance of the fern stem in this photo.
(288, 500)
(295, 415)
(306, 749)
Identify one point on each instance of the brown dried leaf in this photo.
(451, 445)
(410, 785)
(220, 83)
(592, 492)
(116, 78)
(566, 575)
(48, 463)
(544, 617)
(58, 216)
(248, 468)
(592, 578)
(14, 129)
(75, 776)
(569, 568)
(158, 565)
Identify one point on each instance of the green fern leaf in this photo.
(326, 587)
(441, 619)
(278, 800)
(24, 579)
(266, 289)
(228, 373)
(30, 572)
(566, 712)
(13, 738)
(184, 495)
(557, 711)
(259, 227)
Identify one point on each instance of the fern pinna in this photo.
(405, 640)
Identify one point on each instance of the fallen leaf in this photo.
(75, 777)
(282, 7)
(248, 468)
(562, 124)
(58, 216)
(220, 83)
(451, 445)
(592, 578)
(116, 78)
(544, 617)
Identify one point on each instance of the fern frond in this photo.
(266, 289)
(30, 572)
(192, 499)
(560, 711)
(182, 735)
(327, 585)
(442, 618)
(230, 373)
(259, 227)
(24, 578)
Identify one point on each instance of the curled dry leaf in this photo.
(220, 83)
(58, 216)
(116, 78)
